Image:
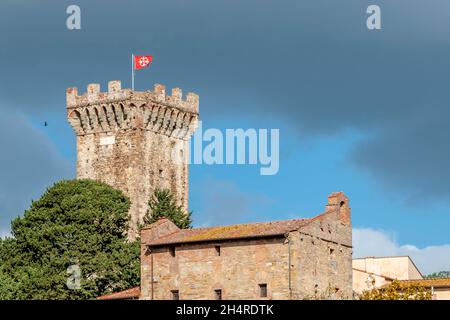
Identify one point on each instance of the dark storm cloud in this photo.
(312, 63)
(414, 156)
(227, 204)
(29, 165)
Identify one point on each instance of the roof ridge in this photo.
(233, 232)
(250, 223)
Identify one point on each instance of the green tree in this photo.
(8, 285)
(437, 275)
(163, 205)
(79, 223)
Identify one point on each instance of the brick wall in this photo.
(197, 270)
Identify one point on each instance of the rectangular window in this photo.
(175, 295)
(172, 251)
(217, 250)
(218, 294)
(263, 290)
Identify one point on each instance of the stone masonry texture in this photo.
(311, 261)
(134, 141)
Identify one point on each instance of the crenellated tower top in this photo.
(96, 111)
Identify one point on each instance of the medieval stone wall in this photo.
(134, 141)
(313, 262)
(323, 257)
(322, 262)
(197, 270)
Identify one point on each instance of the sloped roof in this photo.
(438, 282)
(132, 293)
(155, 224)
(238, 231)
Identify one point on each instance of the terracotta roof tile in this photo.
(132, 293)
(154, 224)
(443, 282)
(238, 231)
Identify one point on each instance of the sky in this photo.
(360, 111)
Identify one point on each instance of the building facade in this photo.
(375, 272)
(134, 141)
(290, 259)
(378, 272)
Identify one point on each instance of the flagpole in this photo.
(132, 71)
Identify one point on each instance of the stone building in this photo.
(290, 259)
(134, 141)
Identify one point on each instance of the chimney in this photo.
(338, 201)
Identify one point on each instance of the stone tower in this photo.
(134, 141)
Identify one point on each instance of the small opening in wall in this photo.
(172, 251)
(263, 290)
(331, 251)
(160, 172)
(217, 250)
(218, 294)
(175, 295)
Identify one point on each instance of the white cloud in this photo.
(371, 242)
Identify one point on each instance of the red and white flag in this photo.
(141, 62)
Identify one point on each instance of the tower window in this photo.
(218, 294)
(263, 290)
(217, 250)
(172, 251)
(175, 295)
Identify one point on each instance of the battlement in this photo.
(115, 93)
(120, 109)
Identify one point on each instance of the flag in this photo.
(142, 62)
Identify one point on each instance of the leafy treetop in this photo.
(163, 205)
(397, 291)
(75, 222)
